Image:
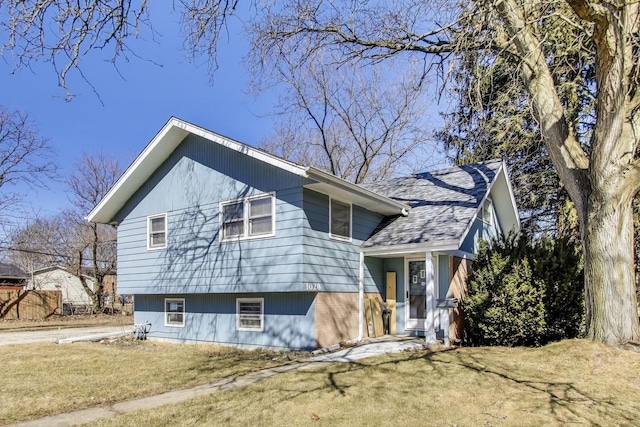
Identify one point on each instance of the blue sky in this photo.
(134, 101)
(136, 104)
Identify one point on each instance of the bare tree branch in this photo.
(62, 31)
(359, 124)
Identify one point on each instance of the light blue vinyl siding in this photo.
(374, 276)
(288, 319)
(333, 263)
(189, 187)
(479, 230)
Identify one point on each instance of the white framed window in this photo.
(487, 212)
(233, 220)
(174, 312)
(248, 218)
(157, 231)
(250, 314)
(339, 220)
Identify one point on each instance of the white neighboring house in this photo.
(57, 278)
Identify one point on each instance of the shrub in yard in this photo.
(524, 293)
(559, 267)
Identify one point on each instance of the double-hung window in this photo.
(157, 231)
(340, 220)
(250, 314)
(174, 312)
(233, 217)
(251, 217)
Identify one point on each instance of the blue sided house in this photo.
(221, 242)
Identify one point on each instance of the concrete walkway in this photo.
(373, 347)
(353, 354)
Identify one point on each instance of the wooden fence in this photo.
(31, 305)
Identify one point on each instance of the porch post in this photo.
(361, 298)
(430, 334)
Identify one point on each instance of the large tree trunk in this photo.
(610, 294)
(602, 185)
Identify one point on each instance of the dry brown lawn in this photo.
(568, 383)
(55, 322)
(47, 379)
(571, 382)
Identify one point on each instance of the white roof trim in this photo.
(174, 132)
(502, 171)
(156, 152)
(447, 246)
(360, 196)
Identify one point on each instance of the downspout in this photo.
(361, 298)
(360, 302)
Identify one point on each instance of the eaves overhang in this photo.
(176, 130)
(159, 150)
(395, 250)
(333, 186)
(507, 206)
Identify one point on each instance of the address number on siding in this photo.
(309, 286)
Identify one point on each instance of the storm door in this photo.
(416, 293)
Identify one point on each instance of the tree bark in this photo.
(610, 293)
(608, 238)
(98, 285)
(602, 185)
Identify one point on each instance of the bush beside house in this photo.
(525, 292)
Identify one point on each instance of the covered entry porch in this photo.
(416, 285)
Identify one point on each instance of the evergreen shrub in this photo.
(524, 292)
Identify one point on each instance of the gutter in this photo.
(322, 176)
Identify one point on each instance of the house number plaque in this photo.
(311, 286)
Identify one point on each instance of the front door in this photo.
(416, 293)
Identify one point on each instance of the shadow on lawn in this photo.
(562, 396)
(566, 401)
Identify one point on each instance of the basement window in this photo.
(174, 312)
(250, 314)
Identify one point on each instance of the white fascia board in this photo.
(243, 148)
(356, 194)
(501, 174)
(50, 268)
(501, 171)
(395, 250)
(157, 151)
(512, 197)
(462, 254)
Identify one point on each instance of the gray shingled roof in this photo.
(443, 203)
(11, 271)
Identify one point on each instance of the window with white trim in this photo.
(233, 220)
(250, 314)
(251, 217)
(487, 213)
(340, 220)
(157, 231)
(174, 312)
